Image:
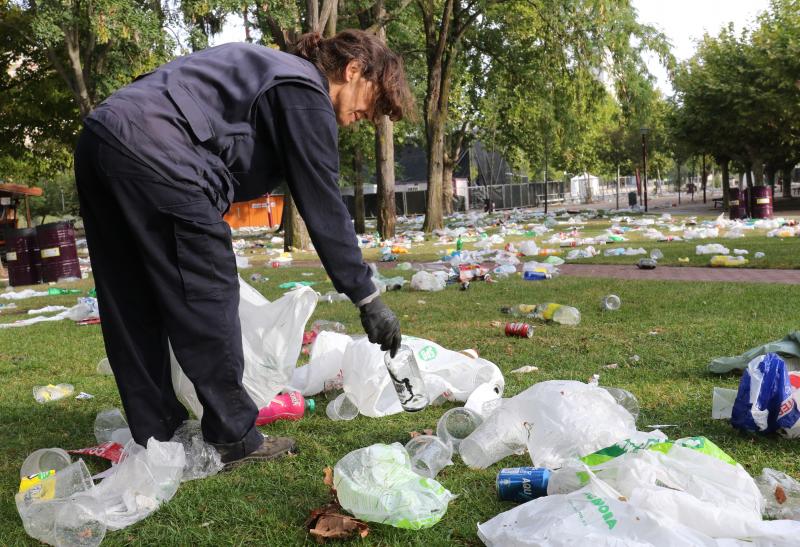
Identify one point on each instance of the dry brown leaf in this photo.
(327, 522)
(413, 434)
(328, 480)
(780, 495)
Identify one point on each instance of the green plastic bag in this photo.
(377, 484)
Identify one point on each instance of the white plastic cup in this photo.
(44, 459)
(341, 408)
(500, 435)
(104, 367)
(456, 425)
(429, 455)
(722, 403)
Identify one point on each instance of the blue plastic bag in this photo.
(764, 402)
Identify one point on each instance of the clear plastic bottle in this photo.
(610, 302)
(558, 313)
(407, 379)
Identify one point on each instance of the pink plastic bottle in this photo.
(286, 406)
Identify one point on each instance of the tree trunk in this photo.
(770, 172)
(358, 191)
(435, 149)
(384, 157)
(447, 184)
(758, 172)
(749, 175)
(726, 184)
(786, 174)
(295, 235)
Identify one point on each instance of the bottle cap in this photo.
(311, 405)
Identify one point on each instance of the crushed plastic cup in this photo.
(656, 254)
(342, 408)
(610, 302)
(429, 455)
(722, 400)
(107, 423)
(626, 399)
(501, 434)
(80, 523)
(456, 425)
(45, 459)
(45, 394)
(104, 367)
(39, 501)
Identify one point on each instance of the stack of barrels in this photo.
(46, 253)
(755, 202)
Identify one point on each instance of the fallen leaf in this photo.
(328, 480)
(780, 495)
(327, 522)
(413, 434)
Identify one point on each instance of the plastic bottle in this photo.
(44, 394)
(459, 244)
(53, 291)
(536, 276)
(286, 406)
(558, 313)
(407, 379)
(321, 325)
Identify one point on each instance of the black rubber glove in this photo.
(381, 325)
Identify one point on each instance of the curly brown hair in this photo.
(380, 65)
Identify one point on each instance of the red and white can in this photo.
(521, 330)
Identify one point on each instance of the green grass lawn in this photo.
(267, 504)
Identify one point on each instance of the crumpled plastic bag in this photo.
(595, 515)
(781, 494)
(558, 420)
(272, 335)
(377, 484)
(689, 480)
(712, 249)
(766, 401)
(529, 248)
(427, 281)
(788, 348)
(202, 459)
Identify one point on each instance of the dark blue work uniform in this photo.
(157, 166)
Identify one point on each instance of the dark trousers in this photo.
(164, 270)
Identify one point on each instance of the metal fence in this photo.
(510, 196)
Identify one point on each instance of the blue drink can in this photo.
(521, 484)
(536, 276)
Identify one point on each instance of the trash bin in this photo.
(631, 199)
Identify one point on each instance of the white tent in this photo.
(584, 186)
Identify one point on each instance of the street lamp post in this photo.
(644, 131)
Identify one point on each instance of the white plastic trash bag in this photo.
(324, 364)
(272, 335)
(427, 281)
(366, 380)
(377, 484)
(595, 515)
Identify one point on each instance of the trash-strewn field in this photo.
(661, 340)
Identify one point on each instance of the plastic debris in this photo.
(50, 392)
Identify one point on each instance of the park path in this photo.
(675, 273)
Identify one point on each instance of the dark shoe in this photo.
(271, 448)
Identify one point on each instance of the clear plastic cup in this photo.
(429, 455)
(80, 523)
(104, 367)
(626, 399)
(456, 425)
(44, 459)
(500, 435)
(107, 422)
(610, 302)
(341, 408)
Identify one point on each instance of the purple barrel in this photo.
(736, 204)
(22, 257)
(58, 251)
(761, 202)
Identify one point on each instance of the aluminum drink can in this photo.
(522, 330)
(521, 484)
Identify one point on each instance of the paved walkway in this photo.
(673, 273)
